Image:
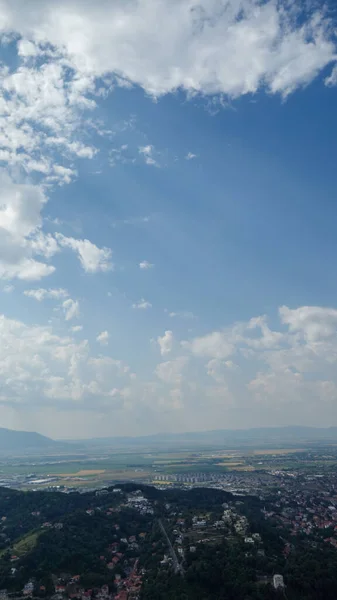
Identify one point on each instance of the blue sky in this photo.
(167, 216)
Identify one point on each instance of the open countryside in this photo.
(158, 467)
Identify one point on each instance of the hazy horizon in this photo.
(167, 216)
(270, 428)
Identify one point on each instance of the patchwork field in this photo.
(83, 472)
(96, 471)
(279, 451)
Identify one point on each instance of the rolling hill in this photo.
(22, 441)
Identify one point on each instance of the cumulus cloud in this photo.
(71, 309)
(217, 344)
(145, 265)
(294, 364)
(147, 152)
(39, 367)
(42, 104)
(171, 370)
(190, 156)
(215, 369)
(22, 239)
(44, 244)
(42, 294)
(313, 322)
(76, 328)
(41, 101)
(105, 364)
(103, 338)
(254, 334)
(27, 269)
(142, 304)
(92, 258)
(199, 50)
(20, 221)
(35, 361)
(281, 374)
(165, 342)
(69, 54)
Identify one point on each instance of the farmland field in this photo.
(91, 471)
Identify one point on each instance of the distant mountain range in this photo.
(18, 442)
(24, 441)
(223, 437)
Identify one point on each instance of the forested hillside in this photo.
(77, 545)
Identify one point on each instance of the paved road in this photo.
(176, 564)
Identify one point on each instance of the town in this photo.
(114, 543)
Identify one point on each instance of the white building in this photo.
(278, 582)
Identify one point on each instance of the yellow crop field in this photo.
(279, 451)
(83, 473)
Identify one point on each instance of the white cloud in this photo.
(71, 309)
(41, 294)
(76, 328)
(34, 361)
(142, 304)
(190, 156)
(145, 265)
(8, 289)
(165, 342)
(215, 369)
(254, 334)
(176, 397)
(92, 258)
(20, 221)
(121, 154)
(230, 365)
(62, 174)
(182, 314)
(268, 338)
(218, 369)
(331, 80)
(20, 208)
(42, 369)
(171, 371)
(41, 102)
(217, 344)
(25, 269)
(105, 364)
(147, 152)
(201, 49)
(282, 375)
(313, 322)
(44, 244)
(103, 338)
(69, 54)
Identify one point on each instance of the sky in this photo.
(167, 215)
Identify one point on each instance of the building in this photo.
(102, 492)
(278, 582)
(28, 589)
